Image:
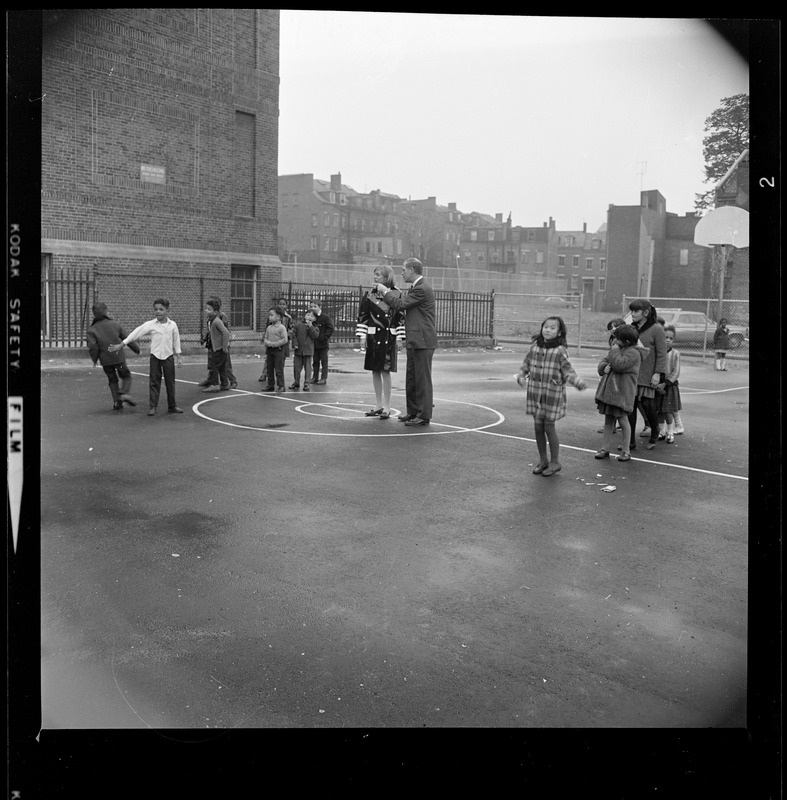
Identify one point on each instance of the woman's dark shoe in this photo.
(384, 415)
(551, 469)
(375, 412)
(624, 457)
(602, 454)
(539, 468)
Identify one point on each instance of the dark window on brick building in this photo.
(243, 178)
(241, 296)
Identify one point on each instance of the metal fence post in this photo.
(201, 302)
(579, 325)
(705, 336)
(492, 318)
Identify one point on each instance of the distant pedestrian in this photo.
(275, 342)
(721, 344)
(304, 334)
(668, 394)
(379, 327)
(218, 343)
(164, 347)
(546, 370)
(616, 393)
(322, 344)
(103, 332)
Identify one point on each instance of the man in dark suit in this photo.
(419, 324)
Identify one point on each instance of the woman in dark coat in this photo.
(381, 327)
(652, 369)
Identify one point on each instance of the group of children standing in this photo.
(640, 371)
(309, 339)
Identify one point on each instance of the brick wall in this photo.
(140, 140)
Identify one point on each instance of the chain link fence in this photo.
(695, 320)
(519, 316)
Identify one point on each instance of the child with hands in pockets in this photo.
(546, 369)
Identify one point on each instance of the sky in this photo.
(538, 117)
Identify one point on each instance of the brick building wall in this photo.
(160, 144)
(623, 254)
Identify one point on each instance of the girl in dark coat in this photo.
(616, 394)
(652, 370)
(382, 329)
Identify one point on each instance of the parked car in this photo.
(566, 302)
(695, 327)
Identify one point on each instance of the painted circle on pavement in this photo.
(350, 412)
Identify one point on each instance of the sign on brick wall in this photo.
(152, 174)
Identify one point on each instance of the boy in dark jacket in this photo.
(104, 331)
(304, 334)
(321, 345)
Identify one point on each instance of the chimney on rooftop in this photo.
(336, 182)
(584, 227)
(499, 217)
(452, 206)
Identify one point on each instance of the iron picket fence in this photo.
(68, 296)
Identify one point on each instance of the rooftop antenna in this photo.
(643, 168)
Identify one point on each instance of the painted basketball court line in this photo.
(485, 429)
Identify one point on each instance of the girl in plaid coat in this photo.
(546, 369)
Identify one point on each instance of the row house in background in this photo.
(435, 231)
(497, 245)
(328, 222)
(313, 219)
(582, 264)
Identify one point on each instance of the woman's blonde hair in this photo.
(388, 275)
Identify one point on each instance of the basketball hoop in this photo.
(723, 229)
(728, 225)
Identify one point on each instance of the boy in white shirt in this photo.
(164, 347)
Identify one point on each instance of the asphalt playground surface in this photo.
(282, 561)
